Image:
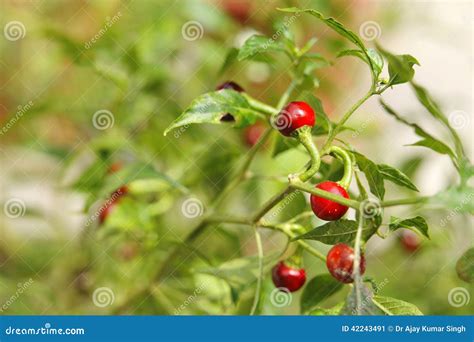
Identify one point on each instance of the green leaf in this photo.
(400, 67)
(342, 30)
(465, 266)
(417, 224)
(318, 289)
(392, 306)
(376, 61)
(428, 140)
(396, 176)
(211, 107)
(257, 45)
(334, 311)
(372, 174)
(332, 23)
(433, 108)
(335, 232)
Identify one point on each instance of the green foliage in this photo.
(340, 231)
(392, 306)
(465, 266)
(317, 290)
(417, 224)
(211, 107)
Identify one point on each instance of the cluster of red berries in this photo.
(340, 258)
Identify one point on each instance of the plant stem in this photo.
(346, 159)
(325, 194)
(258, 240)
(346, 117)
(271, 203)
(356, 271)
(306, 139)
(404, 201)
(260, 106)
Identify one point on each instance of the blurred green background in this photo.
(63, 61)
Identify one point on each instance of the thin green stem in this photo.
(258, 290)
(325, 194)
(286, 95)
(346, 117)
(356, 271)
(404, 201)
(260, 106)
(271, 203)
(306, 139)
(347, 160)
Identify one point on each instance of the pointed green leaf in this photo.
(396, 176)
(428, 140)
(433, 108)
(211, 107)
(335, 232)
(417, 224)
(400, 67)
(257, 45)
(376, 61)
(392, 306)
(372, 174)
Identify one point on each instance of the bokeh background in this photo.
(63, 61)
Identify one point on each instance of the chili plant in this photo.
(295, 121)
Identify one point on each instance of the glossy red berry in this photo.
(229, 85)
(340, 263)
(288, 277)
(253, 133)
(410, 240)
(295, 115)
(326, 209)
